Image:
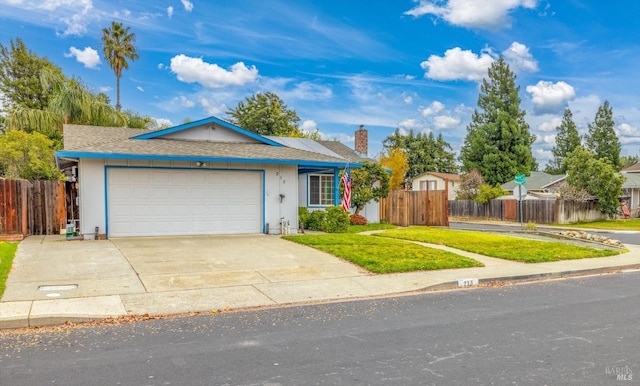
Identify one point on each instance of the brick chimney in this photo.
(362, 141)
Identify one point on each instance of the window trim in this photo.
(330, 199)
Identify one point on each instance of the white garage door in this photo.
(157, 202)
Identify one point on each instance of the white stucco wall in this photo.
(278, 179)
(453, 185)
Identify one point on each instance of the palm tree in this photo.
(117, 48)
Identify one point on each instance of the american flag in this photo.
(346, 180)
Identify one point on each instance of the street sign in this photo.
(520, 179)
(520, 192)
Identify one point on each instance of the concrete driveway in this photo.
(49, 267)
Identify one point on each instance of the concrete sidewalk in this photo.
(54, 281)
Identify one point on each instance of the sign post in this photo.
(521, 194)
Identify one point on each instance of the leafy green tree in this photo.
(265, 114)
(567, 140)
(370, 182)
(425, 152)
(597, 176)
(118, 46)
(396, 160)
(27, 156)
(20, 71)
(70, 102)
(602, 140)
(498, 142)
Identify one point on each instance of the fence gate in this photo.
(405, 208)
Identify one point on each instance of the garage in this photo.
(163, 201)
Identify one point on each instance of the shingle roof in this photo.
(110, 141)
(632, 180)
(536, 181)
(343, 150)
(633, 168)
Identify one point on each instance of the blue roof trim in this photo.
(303, 163)
(223, 123)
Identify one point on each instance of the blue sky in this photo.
(386, 64)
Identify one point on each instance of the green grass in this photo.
(628, 225)
(503, 247)
(369, 227)
(384, 255)
(7, 251)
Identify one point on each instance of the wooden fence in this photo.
(405, 208)
(32, 208)
(537, 211)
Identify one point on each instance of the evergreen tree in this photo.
(498, 142)
(602, 140)
(425, 152)
(567, 140)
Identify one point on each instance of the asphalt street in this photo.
(574, 331)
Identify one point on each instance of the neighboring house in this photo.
(539, 185)
(631, 188)
(202, 177)
(433, 181)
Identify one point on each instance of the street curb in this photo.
(531, 277)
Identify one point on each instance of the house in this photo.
(539, 185)
(202, 177)
(433, 181)
(631, 188)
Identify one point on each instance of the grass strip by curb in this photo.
(380, 255)
(7, 252)
(621, 225)
(503, 247)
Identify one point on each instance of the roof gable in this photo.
(635, 168)
(209, 129)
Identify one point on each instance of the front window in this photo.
(321, 190)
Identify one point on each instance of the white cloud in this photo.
(105, 88)
(188, 6)
(89, 57)
(170, 11)
(163, 122)
(457, 64)
(75, 14)
(444, 122)
(409, 124)
(628, 134)
(212, 109)
(195, 70)
(306, 91)
(434, 108)
(550, 125)
(482, 14)
(309, 125)
(519, 58)
(550, 97)
(140, 89)
(408, 99)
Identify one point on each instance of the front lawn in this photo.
(623, 225)
(504, 247)
(369, 227)
(384, 255)
(7, 251)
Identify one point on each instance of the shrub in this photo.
(303, 216)
(337, 220)
(317, 220)
(357, 219)
(530, 226)
(488, 192)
